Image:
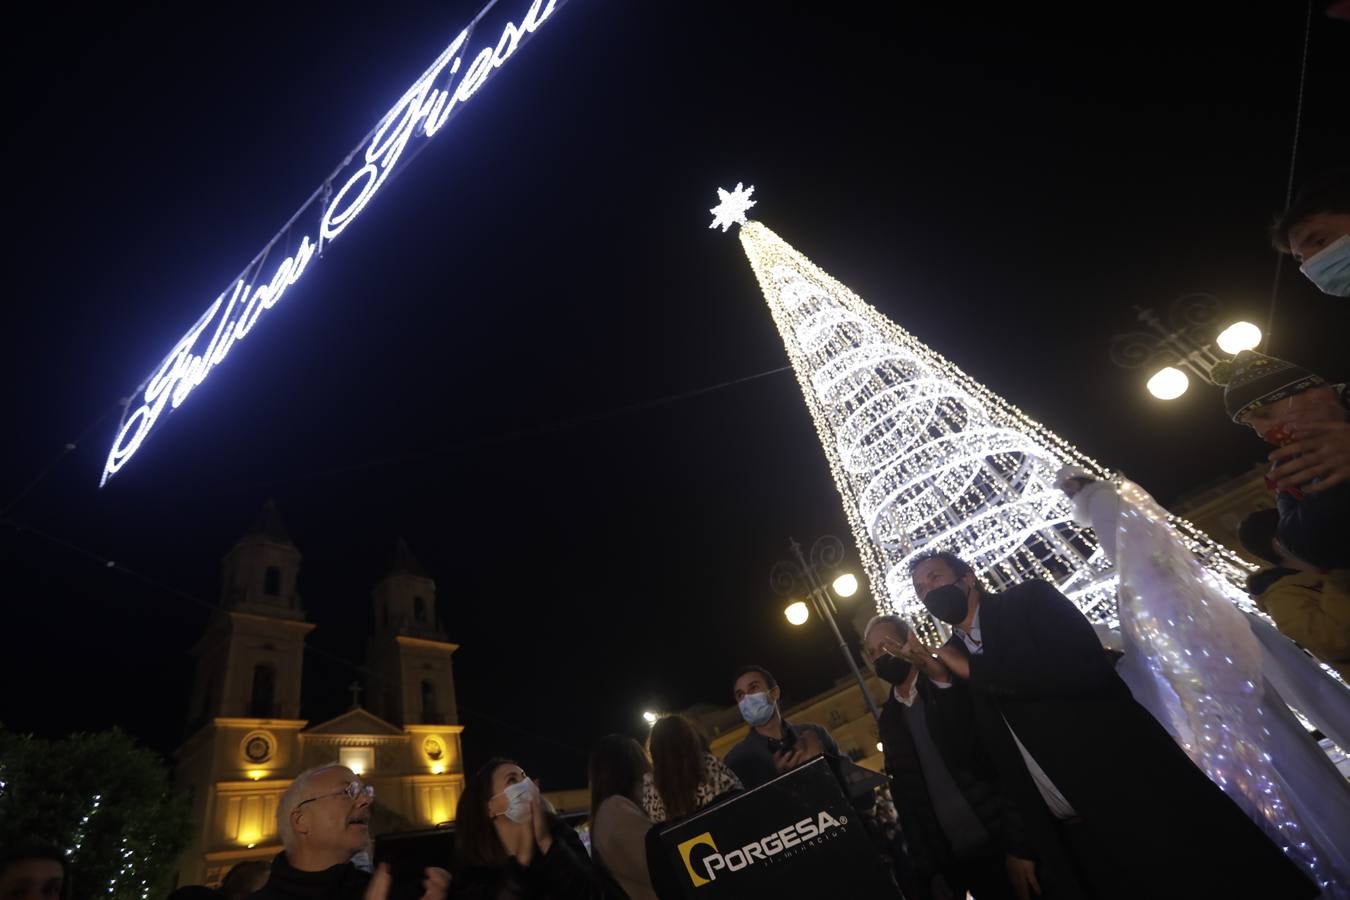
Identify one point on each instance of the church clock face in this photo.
(258, 748)
(433, 748)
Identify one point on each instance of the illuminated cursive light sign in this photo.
(419, 114)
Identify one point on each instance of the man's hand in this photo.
(1022, 874)
(808, 748)
(1320, 450)
(436, 885)
(921, 656)
(380, 881)
(956, 662)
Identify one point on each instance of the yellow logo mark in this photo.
(686, 847)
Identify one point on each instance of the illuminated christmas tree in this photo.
(924, 456)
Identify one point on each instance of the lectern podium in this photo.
(794, 838)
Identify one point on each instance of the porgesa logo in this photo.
(766, 848)
(687, 847)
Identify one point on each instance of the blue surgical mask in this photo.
(518, 797)
(756, 709)
(1329, 268)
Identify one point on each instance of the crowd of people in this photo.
(1027, 757)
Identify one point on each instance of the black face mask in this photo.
(892, 669)
(947, 603)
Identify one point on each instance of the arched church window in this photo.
(419, 609)
(429, 712)
(272, 582)
(264, 690)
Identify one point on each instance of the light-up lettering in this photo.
(421, 112)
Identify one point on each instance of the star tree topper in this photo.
(731, 211)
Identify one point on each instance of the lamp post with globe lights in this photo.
(1180, 347)
(791, 578)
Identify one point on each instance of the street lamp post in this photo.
(790, 578)
(1181, 345)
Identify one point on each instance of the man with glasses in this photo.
(323, 820)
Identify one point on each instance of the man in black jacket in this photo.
(323, 820)
(949, 807)
(1086, 767)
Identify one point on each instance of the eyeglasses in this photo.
(353, 791)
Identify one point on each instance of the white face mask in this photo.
(518, 797)
(1329, 268)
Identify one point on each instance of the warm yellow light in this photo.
(846, 585)
(250, 835)
(251, 846)
(256, 774)
(881, 748)
(436, 769)
(649, 717)
(797, 613)
(1238, 337)
(1168, 383)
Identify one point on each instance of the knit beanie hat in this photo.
(1253, 379)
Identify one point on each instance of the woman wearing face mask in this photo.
(685, 775)
(510, 845)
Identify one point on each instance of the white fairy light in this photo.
(733, 207)
(924, 457)
(424, 107)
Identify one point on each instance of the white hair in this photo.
(898, 622)
(291, 799)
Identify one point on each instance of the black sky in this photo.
(1003, 182)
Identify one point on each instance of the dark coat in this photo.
(951, 724)
(564, 873)
(1169, 830)
(342, 882)
(1315, 527)
(752, 758)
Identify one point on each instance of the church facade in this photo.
(250, 738)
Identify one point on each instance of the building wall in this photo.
(417, 773)
(1218, 509)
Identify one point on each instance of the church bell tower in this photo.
(409, 656)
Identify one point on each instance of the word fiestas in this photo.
(767, 847)
(424, 108)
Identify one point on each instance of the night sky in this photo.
(481, 363)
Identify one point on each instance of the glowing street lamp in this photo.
(1168, 383)
(797, 576)
(846, 585)
(649, 717)
(1238, 337)
(1183, 348)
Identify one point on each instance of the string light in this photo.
(925, 457)
(424, 106)
(1176, 611)
(732, 207)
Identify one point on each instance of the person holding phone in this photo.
(773, 746)
(510, 844)
(945, 788)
